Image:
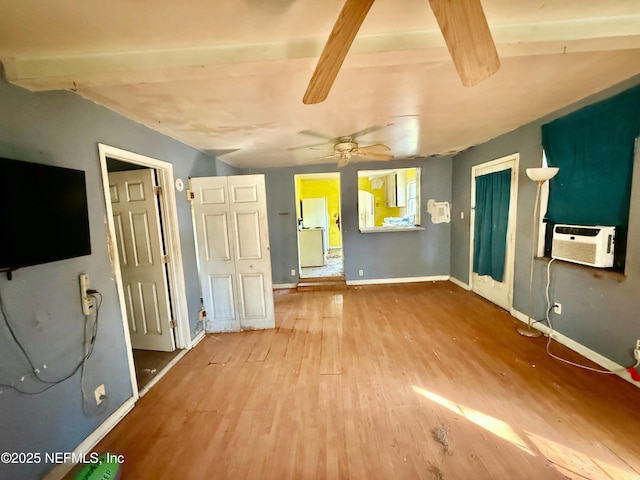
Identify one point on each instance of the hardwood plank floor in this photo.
(354, 384)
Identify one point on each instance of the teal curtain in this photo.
(594, 148)
(491, 220)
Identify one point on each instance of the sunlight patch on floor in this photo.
(491, 424)
(566, 460)
(577, 465)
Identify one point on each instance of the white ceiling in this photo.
(227, 77)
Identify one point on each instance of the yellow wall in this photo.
(380, 210)
(298, 198)
(323, 188)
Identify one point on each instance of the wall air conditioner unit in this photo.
(591, 246)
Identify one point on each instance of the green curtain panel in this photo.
(492, 217)
(594, 148)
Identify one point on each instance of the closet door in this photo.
(250, 232)
(232, 236)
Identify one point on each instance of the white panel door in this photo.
(233, 252)
(140, 248)
(500, 293)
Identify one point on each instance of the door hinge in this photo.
(157, 190)
(173, 324)
(190, 195)
(165, 259)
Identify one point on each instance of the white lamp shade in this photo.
(542, 174)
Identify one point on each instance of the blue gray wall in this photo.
(43, 302)
(60, 128)
(380, 255)
(599, 309)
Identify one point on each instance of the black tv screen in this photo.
(43, 214)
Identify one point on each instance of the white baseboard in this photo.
(382, 281)
(60, 471)
(198, 338)
(459, 283)
(162, 372)
(277, 286)
(586, 352)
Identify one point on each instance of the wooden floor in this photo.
(414, 381)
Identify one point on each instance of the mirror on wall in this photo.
(388, 199)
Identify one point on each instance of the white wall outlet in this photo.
(202, 314)
(87, 304)
(461, 215)
(360, 272)
(293, 272)
(557, 308)
(100, 394)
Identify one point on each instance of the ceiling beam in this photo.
(68, 72)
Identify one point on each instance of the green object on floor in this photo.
(106, 467)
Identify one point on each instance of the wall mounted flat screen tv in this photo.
(43, 214)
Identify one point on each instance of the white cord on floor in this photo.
(597, 370)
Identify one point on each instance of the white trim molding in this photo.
(382, 281)
(586, 352)
(459, 283)
(60, 471)
(280, 286)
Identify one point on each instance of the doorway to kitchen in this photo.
(317, 197)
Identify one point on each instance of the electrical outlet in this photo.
(100, 394)
(360, 272)
(87, 304)
(557, 308)
(202, 314)
(293, 272)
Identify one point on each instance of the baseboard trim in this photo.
(586, 352)
(162, 373)
(280, 286)
(197, 339)
(382, 281)
(60, 471)
(459, 283)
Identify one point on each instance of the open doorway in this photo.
(145, 254)
(317, 197)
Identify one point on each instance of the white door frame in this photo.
(510, 161)
(171, 230)
(297, 199)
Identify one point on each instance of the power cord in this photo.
(87, 353)
(548, 318)
(35, 371)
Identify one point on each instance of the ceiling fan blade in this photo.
(313, 133)
(468, 38)
(366, 131)
(344, 159)
(374, 156)
(315, 159)
(335, 50)
(376, 148)
(312, 146)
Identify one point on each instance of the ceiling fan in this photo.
(345, 148)
(463, 26)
